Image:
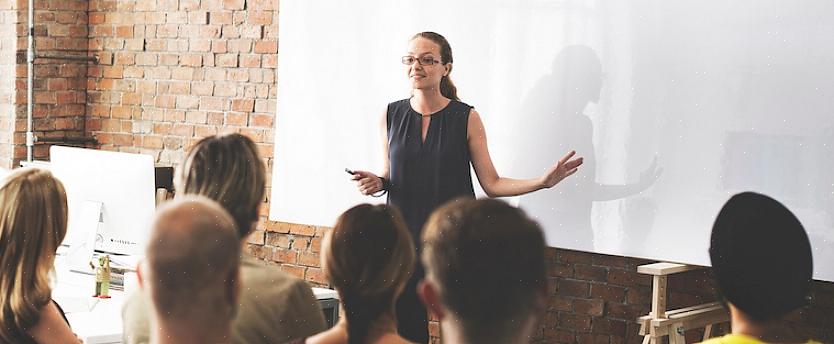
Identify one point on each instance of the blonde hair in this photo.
(33, 222)
(368, 258)
(228, 170)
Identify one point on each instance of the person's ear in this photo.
(448, 67)
(139, 274)
(431, 298)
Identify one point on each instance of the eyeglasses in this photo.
(423, 60)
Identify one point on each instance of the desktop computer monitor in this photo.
(110, 193)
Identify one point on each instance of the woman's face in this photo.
(425, 76)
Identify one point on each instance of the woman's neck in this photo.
(384, 324)
(428, 101)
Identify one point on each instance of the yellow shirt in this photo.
(741, 339)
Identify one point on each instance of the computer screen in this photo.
(123, 184)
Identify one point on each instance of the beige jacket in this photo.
(274, 308)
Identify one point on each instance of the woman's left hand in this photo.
(565, 167)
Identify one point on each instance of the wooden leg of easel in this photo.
(677, 336)
(708, 331)
(647, 339)
(659, 297)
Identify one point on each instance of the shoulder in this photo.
(52, 327)
(136, 317)
(399, 105)
(733, 339)
(258, 276)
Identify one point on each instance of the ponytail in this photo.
(361, 312)
(448, 89)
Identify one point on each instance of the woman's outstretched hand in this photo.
(367, 182)
(565, 167)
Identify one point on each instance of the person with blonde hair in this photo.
(33, 222)
(191, 272)
(368, 257)
(274, 307)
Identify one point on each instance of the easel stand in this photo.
(674, 323)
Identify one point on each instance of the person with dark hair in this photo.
(485, 272)
(368, 257)
(275, 307)
(761, 261)
(429, 142)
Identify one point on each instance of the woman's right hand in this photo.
(367, 182)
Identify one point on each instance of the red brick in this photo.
(302, 230)
(566, 256)
(261, 120)
(300, 243)
(233, 4)
(587, 338)
(595, 307)
(628, 278)
(608, 293)
(560, 303)
(296, 271)
(280, 255)
(559, 336)
(559, 270)
(266, 47)
(574, 322)
(198, 117)
(588, 272)
(315, 276)
(608, 327)
(277, 239)
(261, 18)
(573, 288)
(309, 259)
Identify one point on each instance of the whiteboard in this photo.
(718, 97)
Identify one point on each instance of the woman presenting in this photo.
(429, 141)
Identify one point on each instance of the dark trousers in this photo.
(412, 318)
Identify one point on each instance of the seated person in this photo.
(761, 261)
(368, 257)
(191, 272)
(33, 222)
(485, 272)
(274, 307)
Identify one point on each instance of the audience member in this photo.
(368, 257)
(485, 272)
(191, 272)
(274, 307)
(761, 260)
(33, 222)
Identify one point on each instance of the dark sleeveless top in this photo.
(425, 175)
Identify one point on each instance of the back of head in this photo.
(368, 257)
(192, 257)
(761, 257)
(33, 222)
(227, 169)
(487, 260)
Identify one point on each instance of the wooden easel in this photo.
(674, 323)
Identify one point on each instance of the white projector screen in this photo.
(720, 97)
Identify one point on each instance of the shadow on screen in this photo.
(552, 122)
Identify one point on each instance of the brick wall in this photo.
(8, 47)
(173, 71)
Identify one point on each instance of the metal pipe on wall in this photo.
(30, 89)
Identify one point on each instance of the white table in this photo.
(102, 323)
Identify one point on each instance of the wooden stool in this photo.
(675, 323)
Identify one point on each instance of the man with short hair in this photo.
(485, 272)
(191, 272)
(761, 260)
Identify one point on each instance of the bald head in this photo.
(192, 258)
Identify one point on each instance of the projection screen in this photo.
(675, 105)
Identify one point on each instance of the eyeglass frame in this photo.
(418, 59)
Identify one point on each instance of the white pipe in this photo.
(30, 89)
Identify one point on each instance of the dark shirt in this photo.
(425, 175)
